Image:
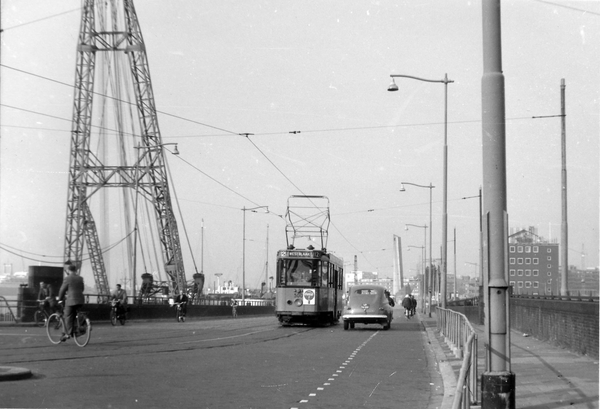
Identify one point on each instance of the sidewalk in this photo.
(547, 377)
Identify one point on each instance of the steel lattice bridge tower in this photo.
(112, 28)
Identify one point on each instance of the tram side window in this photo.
(325, 267)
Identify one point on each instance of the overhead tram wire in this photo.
(229, 132)
(247, 137)
(41, 19)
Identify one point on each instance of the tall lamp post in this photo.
(427, 289)
(445, 81)
(253, 209)
(430, 187)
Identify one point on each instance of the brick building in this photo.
(533, 264)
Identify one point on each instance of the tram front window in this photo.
(299, 273)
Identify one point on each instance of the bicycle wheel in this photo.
(40, 318)
(113, 317)
(55, 328)
(83, 331)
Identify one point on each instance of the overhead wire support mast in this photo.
(87, 171)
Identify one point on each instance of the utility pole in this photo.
(564, 227)
(498, 382)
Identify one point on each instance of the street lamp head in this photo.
(175, 151)
(393, 87)
(406, 228)
(402, 188)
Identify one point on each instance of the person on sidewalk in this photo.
(413, 309)
(407, 305)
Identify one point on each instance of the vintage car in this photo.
(367, 304)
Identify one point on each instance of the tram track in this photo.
(144, 344)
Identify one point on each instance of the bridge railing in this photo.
(461, 337)
(8, 310)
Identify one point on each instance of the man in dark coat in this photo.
(407, 304)
(73, 287)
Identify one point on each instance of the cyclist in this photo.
(46, 298)
(120, 296)
(72, 287)
(182, 299)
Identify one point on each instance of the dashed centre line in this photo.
(338, 371)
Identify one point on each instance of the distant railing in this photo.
(6, 311)
(163, 299)
(461, 337)
(571, 297)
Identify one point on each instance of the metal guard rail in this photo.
(461, 337)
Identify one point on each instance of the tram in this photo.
(310, 286)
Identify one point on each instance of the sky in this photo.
(308, 80)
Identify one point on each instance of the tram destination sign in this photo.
(298, 253)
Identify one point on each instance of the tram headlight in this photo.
(298, 302)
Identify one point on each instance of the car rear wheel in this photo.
(346, 325)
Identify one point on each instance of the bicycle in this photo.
(114, 313)
(56, 328)
(41, 315)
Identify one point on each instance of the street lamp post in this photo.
(428, 276)
(430, 187)
(445, 81)
(253, 209)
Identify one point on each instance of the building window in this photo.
(549, 273)
(527, 284)
(512, 283)
(549, 250)
(536, 249)
(512, 260)
(548, 266)
(519, 260)
(528, 272)
(549, 281)
(512, 249)
(527, 249)
(536, 260)
(512, 271)
(536, 284)
(536, 273)
(520, 284)
(527, 261)
(549, 258)
(519, 272)
(519, 249)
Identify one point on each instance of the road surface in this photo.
(224, 363)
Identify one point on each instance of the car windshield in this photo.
(365, 291)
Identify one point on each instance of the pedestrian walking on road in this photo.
(234, 308)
